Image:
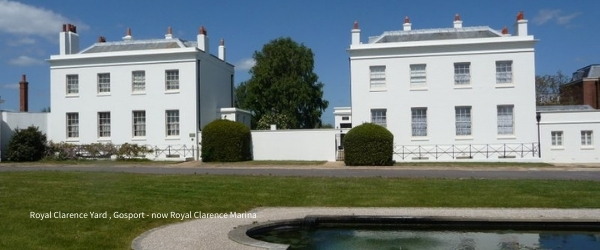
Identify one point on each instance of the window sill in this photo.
(138, 93)
(463, 138)
(463, 86)
(72, 139)
(172, 138)
(377, 90)
(104, 139)
(506, 137)
(104, 94)
(138, 138)
(557, 148)
(505, 85)
(72, 96)
(419, 138)
(419, 89)
(172, 91)
(587, 148)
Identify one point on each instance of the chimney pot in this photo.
(64, 28)
(222, 42)
(169, 30)
(505, 31)
(128, 31)
(520, 16)
(406, 19)
(203, 31)
(355, 25)
(457, 17)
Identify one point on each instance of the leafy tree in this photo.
(548, 89)
(281, 120)
(26, 145)
(283, 82)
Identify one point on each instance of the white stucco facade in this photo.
(157, 92)
(415, 81)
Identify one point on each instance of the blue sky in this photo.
(567, 32)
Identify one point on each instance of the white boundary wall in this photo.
(304, 145)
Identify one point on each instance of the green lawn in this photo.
(24, 192)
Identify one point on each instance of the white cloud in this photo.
(557, 16)
(25, 61)
(10, 86)
(21, 41)
(245, 64)
(22, 19)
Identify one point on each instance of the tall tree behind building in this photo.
(548, 89)
(283, 85)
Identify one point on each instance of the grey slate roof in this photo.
(435, 34)
(590, 71)
(564, 108)
(138, 45)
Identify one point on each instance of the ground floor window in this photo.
(557, 138)
(72, 125)
(378, 116)
(586, 138)
(172, 122)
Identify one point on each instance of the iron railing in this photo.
(467, 151)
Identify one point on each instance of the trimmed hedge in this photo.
(26, 145)
(368, 145)
(226, 141)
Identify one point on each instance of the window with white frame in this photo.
(377, 81)
(419, 121)
(72, 84)
(172, 122)
(462, 73)
(463, 120)
(557, 138)
(72, 125)
(103, 124)
(172, 79)
(506, 123)
(138, 81)
(586, 138)
(418, 75)
(104, 83)
(139, 123)
(378, 116)
(504, 73)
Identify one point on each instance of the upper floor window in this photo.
(506, 124)
(172, 79)
(418, 75)
(345, 118)
(462, 73)
(586, 138)
(138, 81)
(377, 77)
(378, 116)
(463, 120)
(72, 125)
(419, 121)
(104, 83)
(504, 73)
(72, 84)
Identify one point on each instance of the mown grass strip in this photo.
(81, 192)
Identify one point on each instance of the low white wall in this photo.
(571, 123)
(304, 145)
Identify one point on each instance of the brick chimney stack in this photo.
(24, 94)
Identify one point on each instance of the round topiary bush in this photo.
(226, 141)
(26, 145)
(368, 145)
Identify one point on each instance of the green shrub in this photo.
(368, 145)
(26, 145)
(226, 141)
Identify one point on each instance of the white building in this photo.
(158, 92)
(448, 93)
